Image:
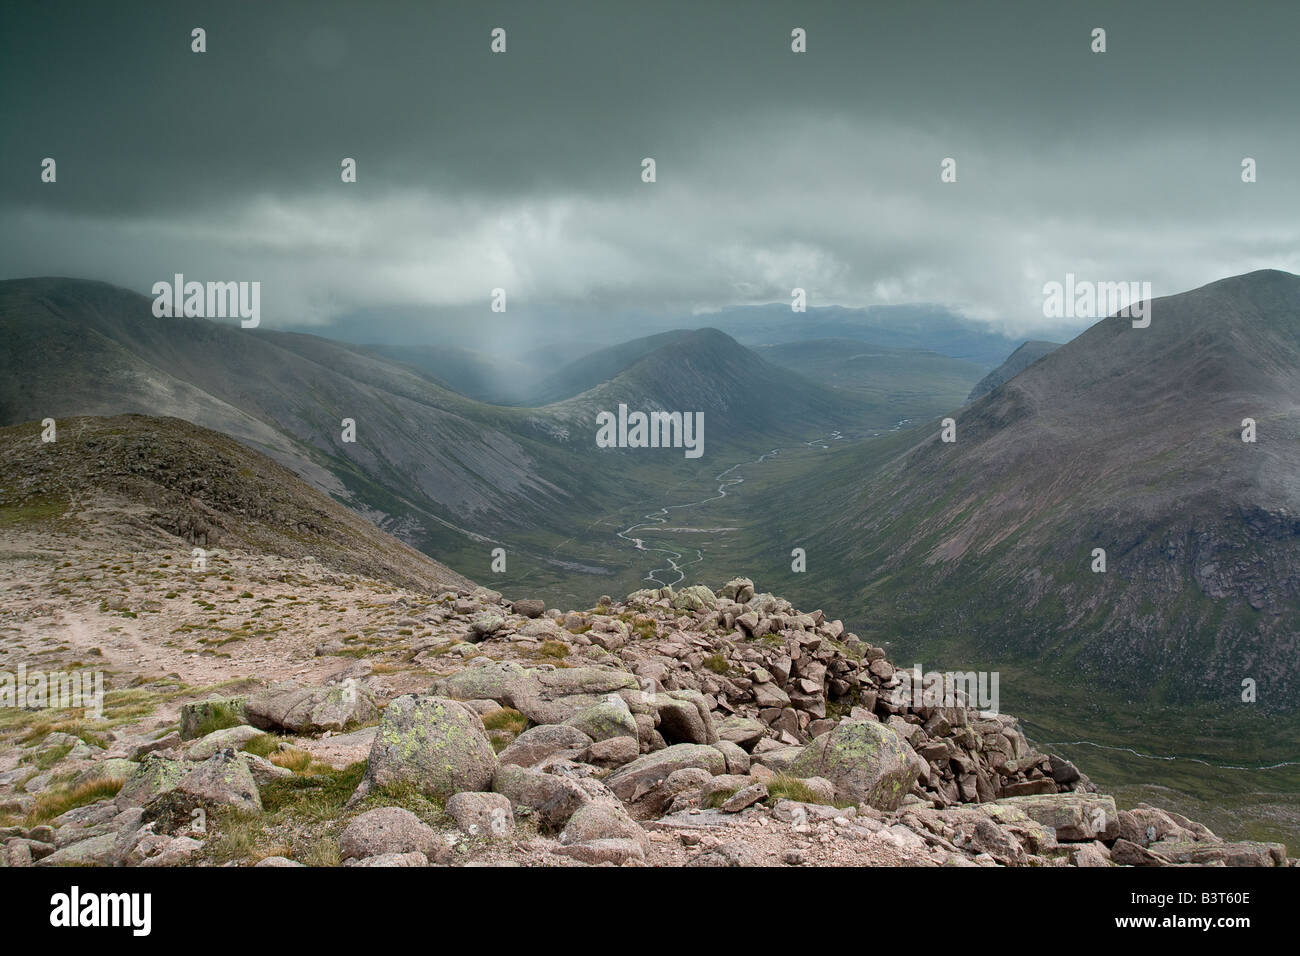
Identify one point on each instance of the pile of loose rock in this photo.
(691, 726)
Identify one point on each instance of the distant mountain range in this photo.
(923, 327)
(548, 340)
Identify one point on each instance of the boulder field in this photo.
(675, 727)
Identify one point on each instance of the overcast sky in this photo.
(522, 170)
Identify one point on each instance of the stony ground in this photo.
(271, 711)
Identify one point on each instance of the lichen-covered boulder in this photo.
(865, 761)
(196, 714)
(739, 590)
(311, 710)
(1072, 816)
(437, 745)
(231, 738)
(743, 731)
(95, 851)
(695, 598)
(737, 760)
(552, 697)
(482, 679)
(608, 718)
(155, 774)
(222, 781)
(484, 625)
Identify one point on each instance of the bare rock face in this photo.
(865, 761)
(436, 744)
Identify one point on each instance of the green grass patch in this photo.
(717, 663)
(505, 718)
(55, 803)
(219, 717)
(792, 788)
(33, 512)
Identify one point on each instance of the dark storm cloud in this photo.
(775, 170)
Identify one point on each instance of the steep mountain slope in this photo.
(908, 383)
(600, 366)
(1016, 362)
(1127, 440)
(144, 478)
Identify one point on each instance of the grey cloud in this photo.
(522, 170)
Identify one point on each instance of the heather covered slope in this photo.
(156, 477)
